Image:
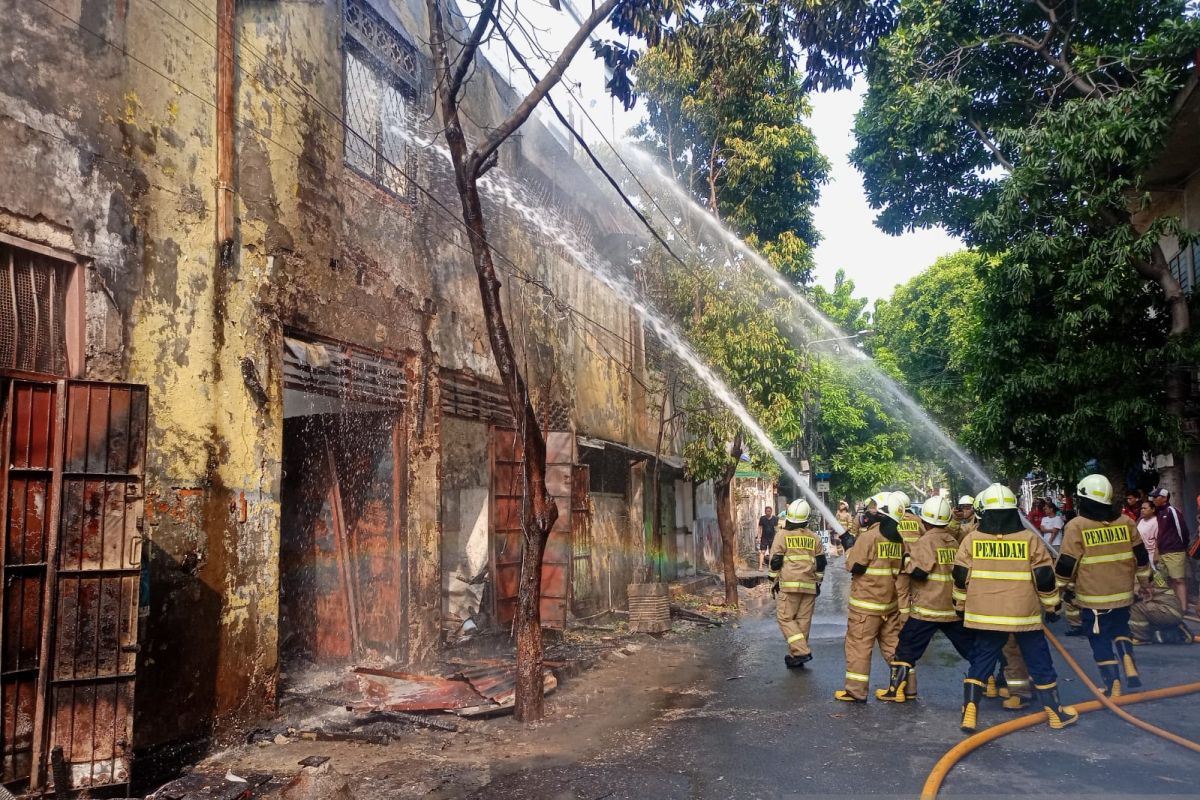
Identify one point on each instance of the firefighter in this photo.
(928, 568)
(1156, 616)
(797, 565)
(1101, 555)
(1003, 581)
(873, 561)
(965, 520)
(870, 520)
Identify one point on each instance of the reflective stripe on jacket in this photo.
(799, 548)
(1000, 594)
(1105, 566)
(874, 591)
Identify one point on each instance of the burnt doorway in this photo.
(344, 483)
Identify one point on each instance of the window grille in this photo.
(33, 312)
(1186, 267)
(382, 73)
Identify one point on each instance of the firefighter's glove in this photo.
(775, 589)
(1068, 595)
(818, 588)
(846, 541)
(1052, 616)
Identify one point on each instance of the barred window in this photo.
(33, 311)
(381, 75)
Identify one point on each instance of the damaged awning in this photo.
(633, 453)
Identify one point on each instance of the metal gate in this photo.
(72, 469)
(505, 519)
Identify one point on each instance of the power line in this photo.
(519, 272)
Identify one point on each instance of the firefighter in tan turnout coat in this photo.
(1101, 555)
(1004, 581)
(874, 562)
(929, 565)
(797, 566)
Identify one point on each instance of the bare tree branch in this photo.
(466, 56)
(539, 91)
(992, 147)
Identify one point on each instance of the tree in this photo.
(923, 332)
(453, 64)
(726, 119)
(1024, 127)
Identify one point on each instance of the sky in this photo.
(875, 261)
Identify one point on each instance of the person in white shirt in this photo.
(1147, 526)
(1052, 524)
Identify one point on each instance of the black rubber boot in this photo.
(1110, 679)
(972, 694)
(895, 693)
(1057, 715)
(1124, 648)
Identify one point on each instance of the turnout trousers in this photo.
(793, 612)
(989, 645)
(1147, 616)
(862, 632)
(1102, 627)
(916, 635)
(1016, 675)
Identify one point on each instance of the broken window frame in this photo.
(377, 46)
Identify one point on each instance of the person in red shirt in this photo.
(1036, 513)
(1133, 505)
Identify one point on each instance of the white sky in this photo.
(876, 262)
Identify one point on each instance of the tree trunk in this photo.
(723, 499)
(1157, 270)
(538, 510)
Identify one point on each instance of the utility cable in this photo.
(518, 273)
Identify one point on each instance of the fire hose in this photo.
(955, 754)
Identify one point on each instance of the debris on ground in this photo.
(692, 616)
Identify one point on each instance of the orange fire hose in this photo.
(955, 754)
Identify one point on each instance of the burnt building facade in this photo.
(251, 420)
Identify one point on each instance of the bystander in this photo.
(1172, 543)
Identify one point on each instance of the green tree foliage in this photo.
(730, 126)
(1024, 128)
(727, 119)
(857, 440)
(923, 332)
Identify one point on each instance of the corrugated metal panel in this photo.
(342, 371)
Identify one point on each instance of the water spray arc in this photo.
(888, 390)
(515, 198)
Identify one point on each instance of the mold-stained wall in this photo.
(109, 123)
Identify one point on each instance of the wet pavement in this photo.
(701, 715)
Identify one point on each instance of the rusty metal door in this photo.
(31, 467)
(90, 703)
(581, 540)
(505, 523)
(73, 454)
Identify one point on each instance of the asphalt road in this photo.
(745, 727)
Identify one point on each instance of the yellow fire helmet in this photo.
(799, 511)
(936, 511)
(1095, 487)
(895, 505)
(997, 497)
